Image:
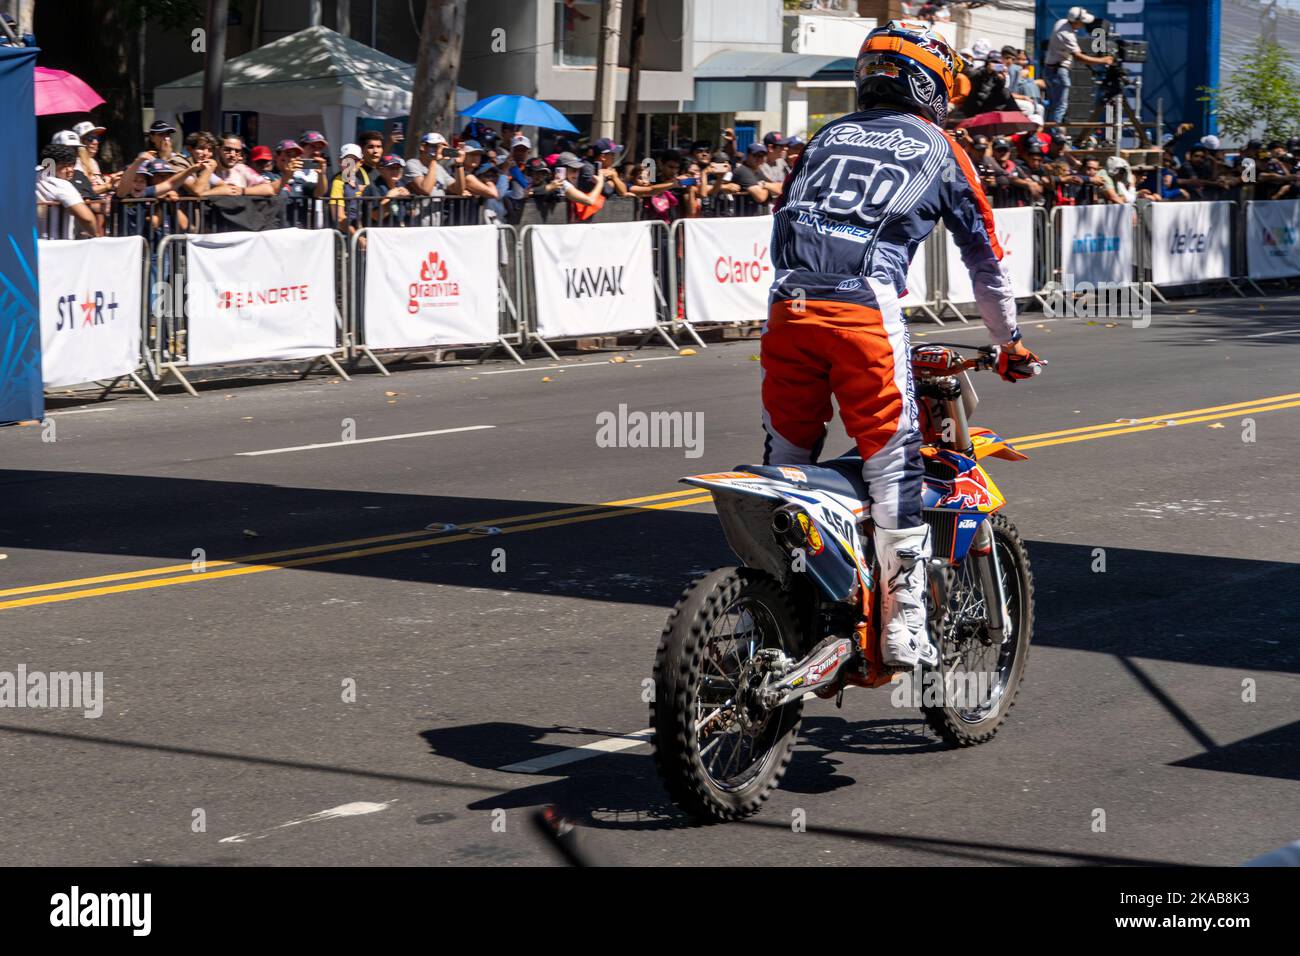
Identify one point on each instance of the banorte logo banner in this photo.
(1096, 244)
(260, 295)
(593, 278)
(1015, 229)
(91, 297)
(1273, 239)
(1190, 241)
(728, 268)
(430, 286)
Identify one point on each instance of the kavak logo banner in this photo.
(260, 295)
(91, 294)
(728, 268)
(1015, 229)
(593, 280)
(430, 286)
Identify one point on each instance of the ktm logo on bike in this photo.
(433, 269)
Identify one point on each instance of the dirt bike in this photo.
(746, 646)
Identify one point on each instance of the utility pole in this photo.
(611, 18)
(633, 105)
(214, 64)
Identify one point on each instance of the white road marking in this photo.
(79, 411)
(1260, 335)
(609, 745)
(586, 751)
(974, 326)
(560, 368)
(333, 813)
(363, 441)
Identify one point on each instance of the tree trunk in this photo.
(101, 45)
(214, 65)
(433, 101)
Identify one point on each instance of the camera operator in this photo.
(1062, 50)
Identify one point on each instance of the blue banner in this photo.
(1183, 51)
(21, 394)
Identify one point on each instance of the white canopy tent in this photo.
(312, 78)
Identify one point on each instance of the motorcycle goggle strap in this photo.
(888, 44)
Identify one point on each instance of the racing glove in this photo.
(1015, 361)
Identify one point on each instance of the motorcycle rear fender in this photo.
(745, 503)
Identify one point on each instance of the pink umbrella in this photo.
(58, 91)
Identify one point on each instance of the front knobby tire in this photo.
(964, 723)
(729, 769)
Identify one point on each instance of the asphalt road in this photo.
(226, 737)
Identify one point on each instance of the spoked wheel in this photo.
(718, 751)
(981, 678)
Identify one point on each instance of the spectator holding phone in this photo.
(748, 176)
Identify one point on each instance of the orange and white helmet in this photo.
(906, 64)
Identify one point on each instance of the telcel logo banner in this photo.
(1189, 241)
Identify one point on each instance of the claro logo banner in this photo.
(592, 279)
(255, 295)
(430, 286)
(728, 268)
(90, 309)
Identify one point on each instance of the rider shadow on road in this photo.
(622, 791)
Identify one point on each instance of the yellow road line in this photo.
(1241, 406)
(610, 512)
(333, 545)
(1147, 428)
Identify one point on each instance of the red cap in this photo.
(260, 153)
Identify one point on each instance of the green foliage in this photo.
(168, 13)
(1263, 92)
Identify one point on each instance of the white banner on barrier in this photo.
(1190, 241)
(592, 279)
(91, 300)
(430, 286)
(1015, 229)
(1273, 239)
(918, 285)
(728, 269)
(260, 295)
(1096, 245)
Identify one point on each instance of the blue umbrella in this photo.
(519, 111)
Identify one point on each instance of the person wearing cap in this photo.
(476, 177)
(748, 175)
(159, 134)
(717, 179)
(385, 192)
(292, 179)
(80, 181)
(774, 165)
(583, 204)
(314, 146)
(1062, 50)
(88, 157)
(1031, 178)
(54, 189)
(262, 162)
(603, 155)
(426, 173)
(346, 187)
(794, 147)
(150, 178)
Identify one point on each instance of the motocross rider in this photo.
(866, 192)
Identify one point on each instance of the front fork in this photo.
(985, 555)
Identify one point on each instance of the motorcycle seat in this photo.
(839, 476)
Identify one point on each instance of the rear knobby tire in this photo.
(706, 605)
(963, 729)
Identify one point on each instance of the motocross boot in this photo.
(903, 554)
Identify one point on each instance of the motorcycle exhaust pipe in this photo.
(787, 528)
